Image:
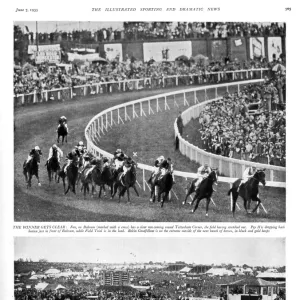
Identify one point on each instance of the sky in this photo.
(238, 251)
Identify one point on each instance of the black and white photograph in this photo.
(149, 121)
(149, 268)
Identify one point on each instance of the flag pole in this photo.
(37, 37)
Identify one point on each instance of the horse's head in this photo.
(36, 156)
(54, 152)
(260, 176)
(214, 176)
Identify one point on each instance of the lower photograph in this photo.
(149, 268)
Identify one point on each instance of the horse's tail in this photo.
(229, 192)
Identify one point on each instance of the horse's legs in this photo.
(207, 205)
(57, 138)
(49, 176)
(115, 190)
(128, 195)
(122, 192)
(197, 203)
(66, 139)
(164, 198)
(134, 187)
(258, 204)
(64, 184)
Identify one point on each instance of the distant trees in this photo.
(43, 260)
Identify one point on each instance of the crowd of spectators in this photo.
(134, 31)
(227, 128)
(81, 293)
(190, 30)
(30, 77)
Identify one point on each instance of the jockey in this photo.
(128, 163)
(119, 158)
(156, 167)
(63, 121)
(81, 148)
(32, 152)
(202, 173)
(71, 157)
(59, 153)
(248, 173)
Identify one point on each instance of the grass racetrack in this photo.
(148, 136)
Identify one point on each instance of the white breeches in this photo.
(118, 163)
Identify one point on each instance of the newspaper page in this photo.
(149, 144)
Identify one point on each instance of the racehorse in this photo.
(32, 168)
(62, 132)
(204, 190)
(72, 174)
(103, 177)
(86, 179)
(125, 182)
(248, 191)
(164, 186)
(53, 166)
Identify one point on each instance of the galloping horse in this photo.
(62, 132)
(125, 182)
(248, 191)
(164, 186)
(53, 166)
(204, 190)
(31, 168)
(102, 177)
(72, 174)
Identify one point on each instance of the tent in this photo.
(200, 59)
(182, 58)
(54, 287)
(41, 286)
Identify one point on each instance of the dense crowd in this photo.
(190, 30)
(30, 78)
(160, 30)
(227, 128)
(80, 293)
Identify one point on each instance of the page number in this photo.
(288, 9)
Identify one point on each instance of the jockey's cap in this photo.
(80, 143)
(161, 158)
(37, 148)
(54, 146)
(118, 151)
(63, 117)
(206, 165)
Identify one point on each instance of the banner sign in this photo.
(238, 49)
(166, 51)
(274, 47)
(83, 57)
(45, 53)
(113, 51)
(218, 49)
(257, 47)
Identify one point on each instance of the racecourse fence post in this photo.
(144, 180)
(231, 199)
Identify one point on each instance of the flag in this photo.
(26, 28)
(238, 42)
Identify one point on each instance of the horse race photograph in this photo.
(149, 121)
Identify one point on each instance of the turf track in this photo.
(149, 137)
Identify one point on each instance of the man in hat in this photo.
(202, 173)
(248, 173)
(119, 158)
(32, 152)
(59, 153)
